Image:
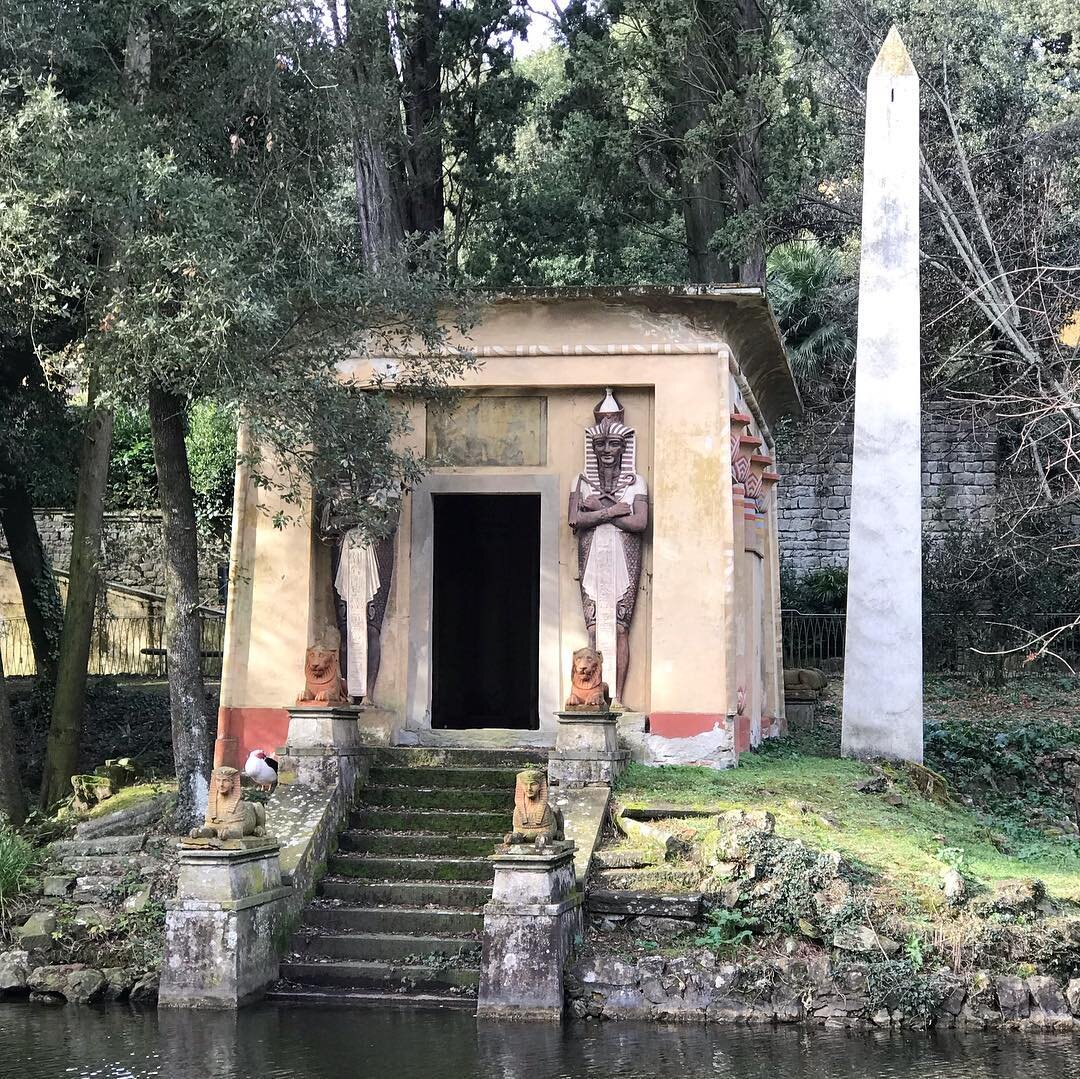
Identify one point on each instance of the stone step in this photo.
(81, 848)
(386, 947)
(429, 756)
(393, 977)
(287, 993)
(412, 894)
(107, 864)
(492, 800)
(442, 777)
(423, 921)
(372, 867)
(417, 844)
(459, 823)
(654, 879)
(95, 886)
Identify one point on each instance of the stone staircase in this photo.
(397, 918)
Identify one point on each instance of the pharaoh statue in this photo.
(535, 820)
(362, 569)
(609, 511)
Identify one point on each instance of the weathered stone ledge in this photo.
(703, 988)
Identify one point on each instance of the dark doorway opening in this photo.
(485, 624)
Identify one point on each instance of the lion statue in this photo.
(323, 683)
(589, 691)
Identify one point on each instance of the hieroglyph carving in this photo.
(609, 511)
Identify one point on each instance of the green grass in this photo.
(814, 799)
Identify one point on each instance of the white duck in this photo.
(261, 769)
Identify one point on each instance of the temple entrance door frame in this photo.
(421, 574)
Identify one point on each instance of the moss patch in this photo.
(130, 797)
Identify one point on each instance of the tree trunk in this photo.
(703, 213)
(704, 196)
(69, 700)
(37, 585)
(376, 128)
(21, 380)
(747, 166)
(422, 92)
(12, 795)
(191, 733)
(376, 202)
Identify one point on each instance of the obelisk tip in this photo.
(893, 59)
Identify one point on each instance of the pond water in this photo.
(274, 1042)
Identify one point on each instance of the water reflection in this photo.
(271, 1042)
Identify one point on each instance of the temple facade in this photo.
(605, 479)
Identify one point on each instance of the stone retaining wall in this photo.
(960, 482)
(703, 988)
(131, 551)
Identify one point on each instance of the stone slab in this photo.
(635, 904)
(583, 810)
(126, 821)
(664, 811)
(623, 858)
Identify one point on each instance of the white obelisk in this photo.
(883, 679)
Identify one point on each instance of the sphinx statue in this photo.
(609, 511)
(228, 816)
(535, 820)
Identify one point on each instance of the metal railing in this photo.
(951, 643)
(120, 646)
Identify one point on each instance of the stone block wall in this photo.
(701, 987)
(131, 550)
(960, 465)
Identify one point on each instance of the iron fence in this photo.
(951, 643)
(119, 646)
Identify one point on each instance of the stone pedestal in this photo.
(324, 726)
(530, 927)
(586, 749)
(324, 747)
(222, 929)
(800, 707)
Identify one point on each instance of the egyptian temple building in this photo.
(484, 591)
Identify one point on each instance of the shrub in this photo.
(818, 591)
(17, 860)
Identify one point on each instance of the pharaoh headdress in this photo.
(609, 421)
(522, 804)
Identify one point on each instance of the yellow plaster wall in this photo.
(268, 625)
